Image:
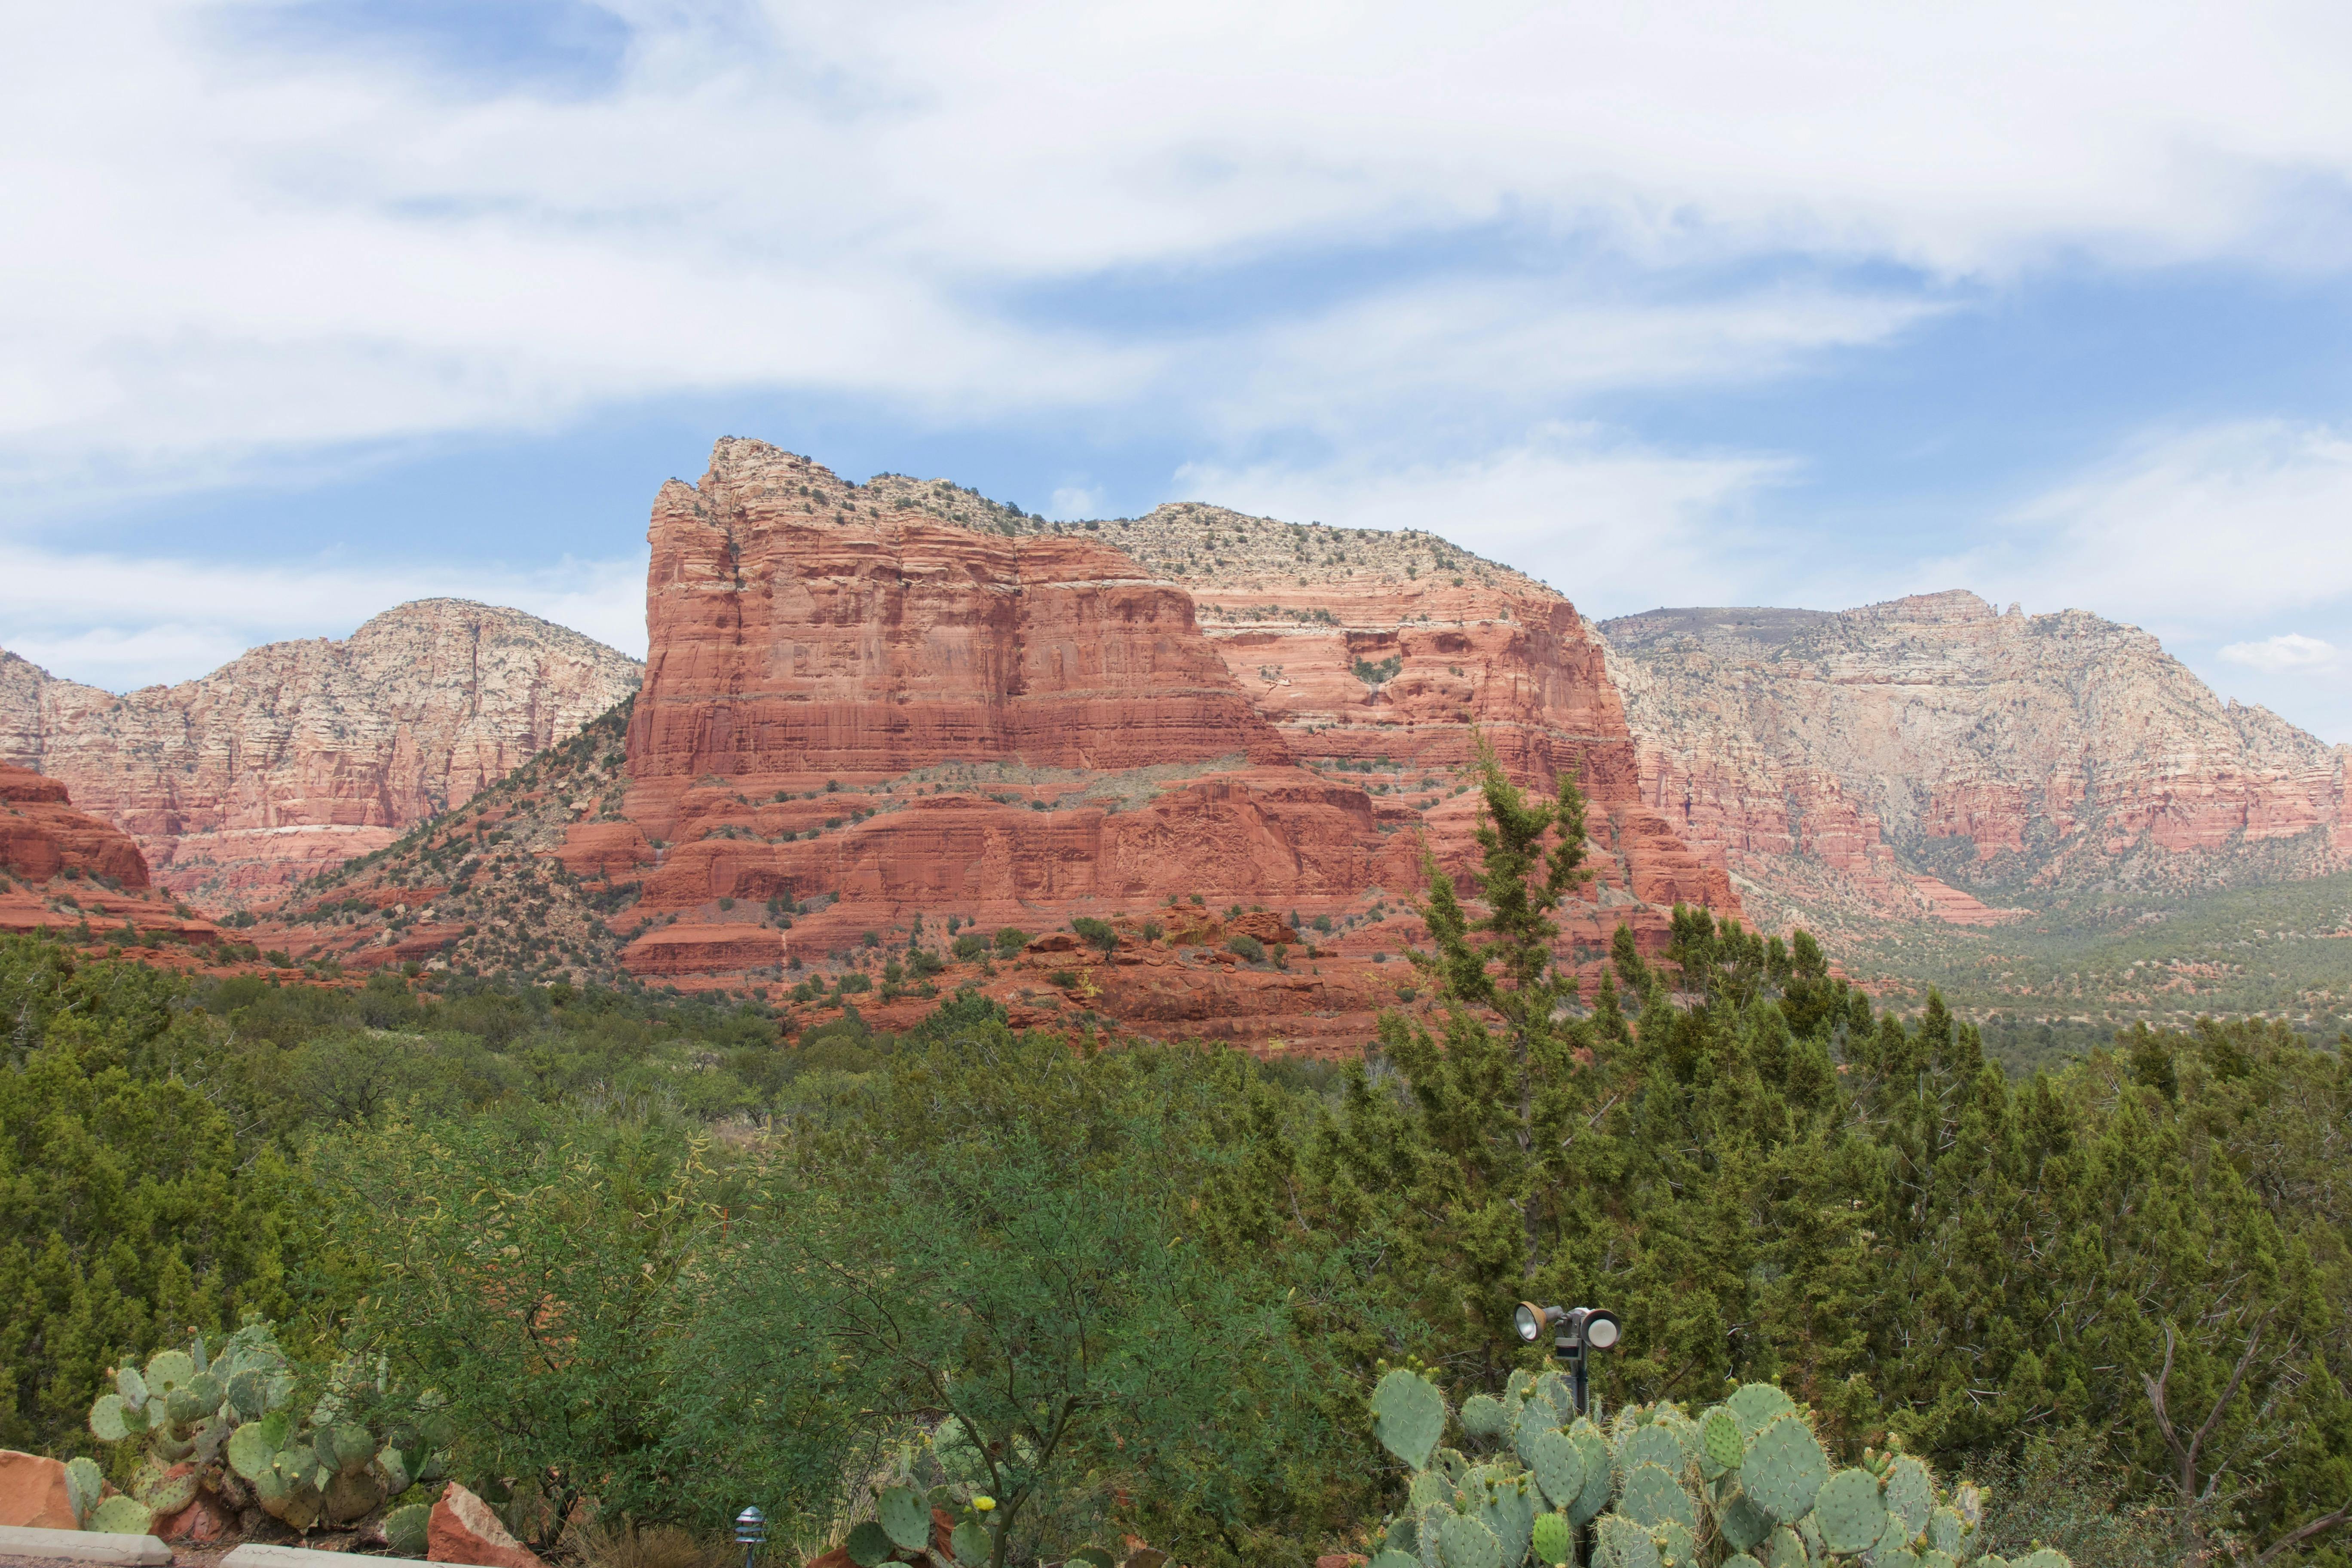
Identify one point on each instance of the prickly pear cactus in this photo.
(222, 1423)
(84, 1482)
(1743, 1484)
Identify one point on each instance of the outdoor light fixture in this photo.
(1575, 1329)
(751, 1529)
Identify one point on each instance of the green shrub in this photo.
(1096, 933)
(970, 946)
(1011, 940)
(1248, 948)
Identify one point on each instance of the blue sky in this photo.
(315, 307)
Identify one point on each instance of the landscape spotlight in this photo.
(1575, 1329)
(751, 1529)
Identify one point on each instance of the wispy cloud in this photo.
(234, 242)
(1617, 526)
(2288, 653)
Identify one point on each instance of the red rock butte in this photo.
(896, 700)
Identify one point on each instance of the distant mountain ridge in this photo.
(296, 755)
(1930, 756)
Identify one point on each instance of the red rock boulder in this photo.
(33, 1493)
(463, 1528)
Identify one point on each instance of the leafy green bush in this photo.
(1096, 933)
(1011, 940)
(1248, 948)
(970, 947)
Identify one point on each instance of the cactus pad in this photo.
(1652, 1496)
(1557, 1464)
(131, 1385)
(84, 1482)
(403, 1529)
(120, 1516)
(1910, 1496)
(1931, 1558)
(1655, 1444)
(1743, 1525)
(1409, 1417)
(106, 1419)
(1553, 1539)
(1785, 1551)
(969, 1541)
(905, 1517)
(1390, 1557)
(1741, 1560)
(1484, 1418)
(1516, 1386)
(1848, 1512)
(1757, 1405)
(1092, 1557)
(1433, 1526)
(162, 1491)
(2045, 1558)
(1505, 1504)
(1597, 1478)
(168, 1370)
(1719, 1438)
(1677, 1548)
(1464, 1542)
(870, 1545)
(1622, 1543)
(1785, 1468)
(1944, 1531)
(1555, 1389)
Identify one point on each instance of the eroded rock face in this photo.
(890, 716)
(42, 837)
(64, 869)
(299, 755)
(872, 639)
(1890, 758)
(886, 699)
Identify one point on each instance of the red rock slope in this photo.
(1922, 757)
(298, 754)
(64, 868)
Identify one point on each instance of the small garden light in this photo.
(1575, 1329)
(751, 1529)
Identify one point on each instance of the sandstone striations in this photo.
(1929, 756)
(299, 755)
(64, 870)
(875, 716)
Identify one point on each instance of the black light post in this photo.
(1575, 1330)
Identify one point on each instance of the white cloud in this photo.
(2289, 653)
(119, 623)
(2202, 529)
(1076, 501)
(1615, 527)
(218, 256)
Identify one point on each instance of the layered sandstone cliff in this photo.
(298, 754)
(874, 714)
(1927, 755)
(64, 870)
